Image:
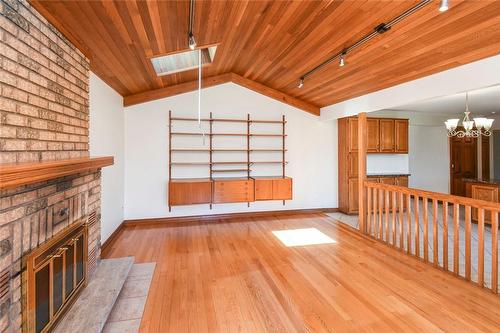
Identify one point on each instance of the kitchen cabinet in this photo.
(384, 135)
(387, 136)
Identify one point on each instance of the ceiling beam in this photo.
(275, 94)
(211, 81)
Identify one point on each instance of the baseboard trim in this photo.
(113, 237)
(205, 218)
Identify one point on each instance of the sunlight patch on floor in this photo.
(302, 237)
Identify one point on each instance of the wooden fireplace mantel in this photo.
(17, 174)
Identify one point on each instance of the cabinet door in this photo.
(387, 135)
(282, 189)
(352, 165)
(402, 181)
(401, 128)
(353, 134)
(373, 136)
(487, 193)
(263, 189)
(353, 195)
(189, 193)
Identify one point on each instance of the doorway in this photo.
(463, 163)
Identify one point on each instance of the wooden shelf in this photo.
(191, 149)
(268, 121)
(280, 150)
(17, 174)
(229, 120)
(185, 192)
(217, 163)
(190, 163)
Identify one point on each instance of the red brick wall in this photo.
(44, 115)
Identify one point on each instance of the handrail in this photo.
(421, 223)
(438, 196)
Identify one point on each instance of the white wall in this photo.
(311, 144)
(107, 138)
(428, 151)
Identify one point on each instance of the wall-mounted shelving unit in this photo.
(220, 186)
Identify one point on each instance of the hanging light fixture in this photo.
(444, 6)
(472, 128)
(191, 40)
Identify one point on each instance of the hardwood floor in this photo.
(236, 276)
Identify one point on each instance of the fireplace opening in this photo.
(56, 273)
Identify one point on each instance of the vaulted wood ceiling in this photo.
(275, 42)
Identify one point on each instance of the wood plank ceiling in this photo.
(275, 42)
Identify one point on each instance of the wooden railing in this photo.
(439, 228)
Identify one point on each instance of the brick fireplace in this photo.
(44, 115)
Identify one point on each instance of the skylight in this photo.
(182, 61)
(302, 237)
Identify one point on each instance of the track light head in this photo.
(301, 82)
(444, 6)
(342, 59)
(191, 41)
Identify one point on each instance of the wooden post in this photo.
(362, 137)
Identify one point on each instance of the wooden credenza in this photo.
(384, 136)
(482, 190)
(228, 190)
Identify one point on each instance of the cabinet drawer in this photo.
(282, 189)
(233, 191)
(189, 193)
(263, 189)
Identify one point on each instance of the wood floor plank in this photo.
(236, 276)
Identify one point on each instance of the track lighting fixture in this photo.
(378, 30)
(342, 59)
(444, 6)
(191, 41)
(301, 82)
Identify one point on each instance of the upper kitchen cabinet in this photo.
(384, 135)
(401, 129)
(387, 136)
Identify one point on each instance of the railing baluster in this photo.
(426, 231)
(467, 242)
(416, 226)
(380, 214)
(401, 208)
(384, 200)
(445, 235)
(494, 251)
(375, 211)
(480, 247)
(387, 211)
(369, 210)
(456, 238)
(435, 235)
(393, 227)
(408, 223)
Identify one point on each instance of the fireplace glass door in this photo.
(57, 275)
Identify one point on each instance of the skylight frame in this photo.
(190, 63)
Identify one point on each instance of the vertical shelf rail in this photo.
(210, 153)
(169, 153)
(248, 149)
(283, 150)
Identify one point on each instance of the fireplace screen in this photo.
(56, 272)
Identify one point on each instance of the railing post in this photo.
(362, 146)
